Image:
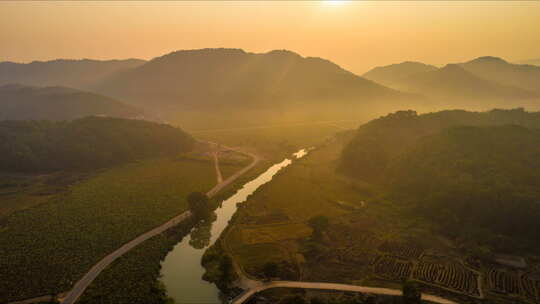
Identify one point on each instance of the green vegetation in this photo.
(86, 143)
(48, 247)
(199, 205)
(19, 191)
(319, 224)
(472, 181)
(133, 278)
(385, 226)
(411, 293)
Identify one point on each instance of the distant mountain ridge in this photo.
(19, 102)
(498, 70)
(62, 72)
(394, 74)
(530, 61)
(210, 78)
(486, 78)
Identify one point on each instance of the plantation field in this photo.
(21, 191)
(48, 247)
(274, 233)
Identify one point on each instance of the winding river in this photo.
(182, 271)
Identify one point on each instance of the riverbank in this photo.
(182, 270)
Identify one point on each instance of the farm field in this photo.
(371, 240)
(90, 220)
(19, 191)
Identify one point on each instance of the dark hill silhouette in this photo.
(70, 73)
(464, 170)
(498, 70)
(86, 143)
(232, 78)
(18, 102)
(394, 74)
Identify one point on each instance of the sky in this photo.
(357, 35)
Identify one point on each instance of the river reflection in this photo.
(182, 271)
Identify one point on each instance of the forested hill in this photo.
(475, 178)
(470, 172)
(18, 102)
(232, 78)
(379, 141)
(87, 143)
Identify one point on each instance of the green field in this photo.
(46, 248)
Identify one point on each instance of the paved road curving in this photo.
(331, 286)
(79, 287)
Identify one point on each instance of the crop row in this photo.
(405, 250)
(531, 287)
(393, 269)
(449, 275)
(503, 281)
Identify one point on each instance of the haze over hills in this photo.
(530, 61)
(486, 81)
(213, 79)
(503, 72)
(453, 81)
(393, 75)
(62, 72)
(18, 102)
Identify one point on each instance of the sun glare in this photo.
(335, 2)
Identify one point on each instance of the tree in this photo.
(227, 269)
(270, 270)
(319, 224)
(411, 293)
(199, 204)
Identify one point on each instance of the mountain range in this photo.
(233, 78)
(482, 79)
(213, 86)
(62, 72)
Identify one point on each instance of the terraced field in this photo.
(450, 275)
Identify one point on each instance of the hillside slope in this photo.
(58, 103)
(232, 78)
(474, 174)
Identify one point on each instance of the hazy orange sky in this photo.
(357, 35)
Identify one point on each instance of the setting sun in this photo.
(335, 2)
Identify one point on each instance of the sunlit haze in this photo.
(357, 35)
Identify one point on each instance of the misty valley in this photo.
(222, 175)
